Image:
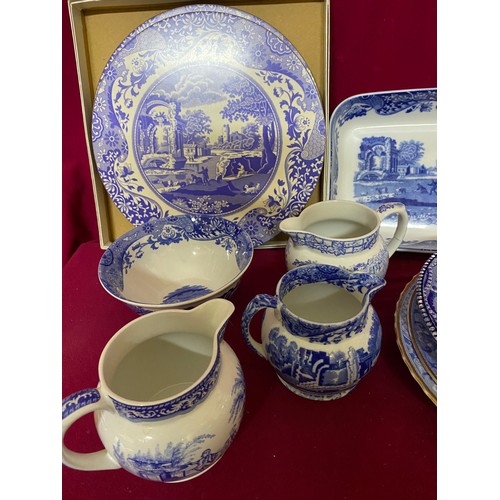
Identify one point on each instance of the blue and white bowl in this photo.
(427, 294)
(176, 262)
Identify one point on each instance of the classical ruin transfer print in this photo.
(208, 110)
(384, 150)
(197, 160)
(389, 170)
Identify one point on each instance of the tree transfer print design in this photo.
(208, 110)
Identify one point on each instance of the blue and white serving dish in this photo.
(176, 262)
(383, 150)
(417, 345)
(206, 109)
(427, 293)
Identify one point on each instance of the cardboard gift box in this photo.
(99, 26)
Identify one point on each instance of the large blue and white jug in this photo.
(320, 333)
(170, 396)
(345, 234)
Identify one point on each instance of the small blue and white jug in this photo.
(345, 234)
(170, 396)
(319, 332)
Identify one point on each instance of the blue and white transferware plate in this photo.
(423, 341)
(384, 149)
(205, 109)
(418, 347)
(427, 293)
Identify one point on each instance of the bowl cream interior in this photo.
(159, 273)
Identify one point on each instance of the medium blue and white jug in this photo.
(319, 332)
(345, 234)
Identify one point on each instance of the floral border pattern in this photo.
(279, 71)
(123, 253)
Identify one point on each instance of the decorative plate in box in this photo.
(206, 109)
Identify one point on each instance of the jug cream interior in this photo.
(333, 220)
(162, 366)
(164, 359)
(322, 303)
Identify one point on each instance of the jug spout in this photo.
(291, 225)
(366, 284)
(211, 317)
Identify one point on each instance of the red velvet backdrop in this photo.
(379, 442)
(375, 46)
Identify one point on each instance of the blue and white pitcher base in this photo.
(314, 395)
(184, 479)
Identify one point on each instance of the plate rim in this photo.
(421, 296)
(400, 316)
(411, 303)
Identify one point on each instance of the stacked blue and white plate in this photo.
(416, 327)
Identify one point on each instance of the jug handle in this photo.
(387, 209)
(261, 301)
(74, 407)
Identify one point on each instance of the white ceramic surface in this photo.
(170, 396)
(384, 149)
(176, 262)
(344, 233)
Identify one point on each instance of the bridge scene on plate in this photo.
(207, 146)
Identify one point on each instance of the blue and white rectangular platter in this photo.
(383, 149)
